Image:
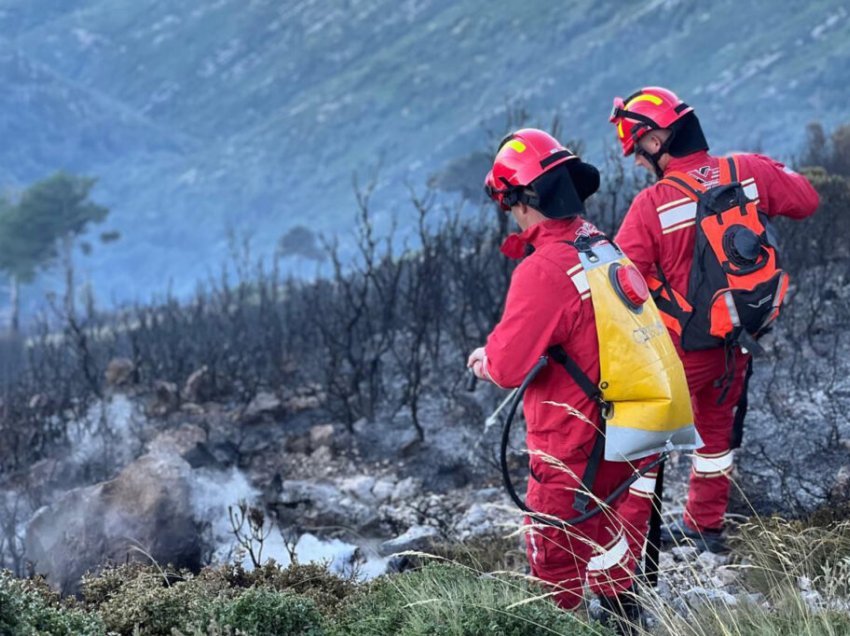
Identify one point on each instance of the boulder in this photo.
(190, 442)
(313, 503)
(166, 398)
(321, 435)
(305, 398)
(143, 514)
(198, 387)
(406, 489)
(359, 487)
(697, 597)
(684, 552)
(383, 490)
(179, 440)
(119, 372)
(263, 404)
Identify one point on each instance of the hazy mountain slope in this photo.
(255, 113)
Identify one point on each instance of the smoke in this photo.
(108, 437)
(214, 491)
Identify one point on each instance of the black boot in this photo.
(622, 613)
(677, 533)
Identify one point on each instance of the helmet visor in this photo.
(495, 193)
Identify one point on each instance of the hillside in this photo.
(204, 117)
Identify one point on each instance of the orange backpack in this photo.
(736, 284)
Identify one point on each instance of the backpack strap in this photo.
(685, 184)
(559, 355)
(675, 309)
(591, 390)
(729, 170)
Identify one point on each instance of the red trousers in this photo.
(708, 491)
(596, 550)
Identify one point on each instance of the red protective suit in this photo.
(658, 231)
(549, 304)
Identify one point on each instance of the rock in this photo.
(472, 520)
(416, 538)
(383, 490)
(38, 402)
(701, 596)
(166, 398)
(755, 598)
(298, 444)
(813, 599)
(359, 487)
(724, 577)
(710, 560)
(198, 387)
(144, 514)
(190, 408)
(264, 404)
(119, 372)
(188, 441)
(360, 426)
(488, 494)
(295, 492)
(305, 398)
(226, 453)
(322, 455)
(684, 553)
(306, 502)
(321, 435)
(406, 443)
(178, 440)
(406, 489)
(841, 486)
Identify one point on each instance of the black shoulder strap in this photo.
(587, 385)
(733, 169)
(582, 497)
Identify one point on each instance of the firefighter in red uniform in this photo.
(543, 185)
(658, 234)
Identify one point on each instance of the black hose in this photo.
(506, 478)
(471, 380)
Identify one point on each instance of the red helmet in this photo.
(517, 176)
(650, 108)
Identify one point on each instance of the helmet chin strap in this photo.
(655, 157)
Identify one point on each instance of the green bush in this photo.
(142, 599)
(443, 600)
(30, 608)
(311, 580)
(150, 604)
(261, 612)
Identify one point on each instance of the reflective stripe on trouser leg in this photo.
(610, 556)
(708, 494)
(532, 544)
(610, 572)
(634, 512)
(644, 486)
(712, 465)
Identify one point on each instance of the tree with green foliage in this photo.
(43, 227)
(23, 250)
